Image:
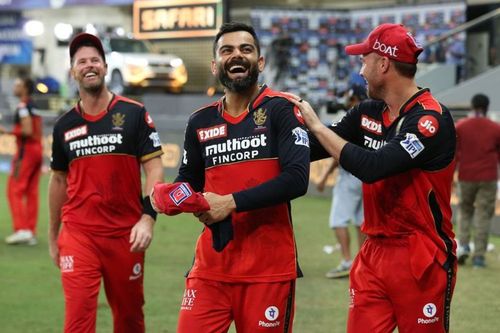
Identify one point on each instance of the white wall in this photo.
(486, 83)
(57, 57)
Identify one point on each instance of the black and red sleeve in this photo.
(149, 143)
(293, 154)
(59, 159)
(192, 169)
(425, 140)
(347, 128)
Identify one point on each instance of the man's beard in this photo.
(239, 85)
(93, 89)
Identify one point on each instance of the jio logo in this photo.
(429, 310)
(272, 313)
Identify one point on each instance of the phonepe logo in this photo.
(429, 311)
(271, 314)
(386, 49)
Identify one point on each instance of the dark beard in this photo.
(94, 89)
(239, 85)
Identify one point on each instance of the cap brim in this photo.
(85, 38)
(357, 49)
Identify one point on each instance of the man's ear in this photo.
(213, 66)
(261, 63)
(385, 64)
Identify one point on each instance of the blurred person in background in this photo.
(478, 151)
(24, 178)
(100, 225)
(347, 200)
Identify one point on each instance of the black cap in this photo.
(85, 39)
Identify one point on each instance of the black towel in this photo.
(222, 233)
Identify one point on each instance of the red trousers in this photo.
(84, 260)
(394, 283)
(22, 188)
(210, 307)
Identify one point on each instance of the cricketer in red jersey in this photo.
(95, 192)
(249, 153)
(24, 178)
(401, 144)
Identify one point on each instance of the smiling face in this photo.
(89, 69)
(237, 63)
(372, 70)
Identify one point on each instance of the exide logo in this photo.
(205, 134)
(75, 133)
(371, 125)
(391, 50)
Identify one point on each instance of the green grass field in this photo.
(31, 298)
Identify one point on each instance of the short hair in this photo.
(28, 84)
(233, 27)
(481, 102)
(405, 69)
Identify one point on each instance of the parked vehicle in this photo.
(133, 64)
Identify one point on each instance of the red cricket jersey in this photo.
(102, 156)
(263, 159)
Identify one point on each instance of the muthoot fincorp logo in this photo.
(96, 144)
(237, 149)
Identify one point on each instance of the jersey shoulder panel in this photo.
(204, 111)
(119, 98)
(276, 97)
(126, 105)
(69, 115)
(428, 103)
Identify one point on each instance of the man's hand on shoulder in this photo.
(220, 207)
(141, 234)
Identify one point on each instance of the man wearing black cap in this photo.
(401, 144)
(95, 191)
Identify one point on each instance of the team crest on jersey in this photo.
(260, 116)
(118, 119)
(210, 133)
(75, 133)
(180, 193)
